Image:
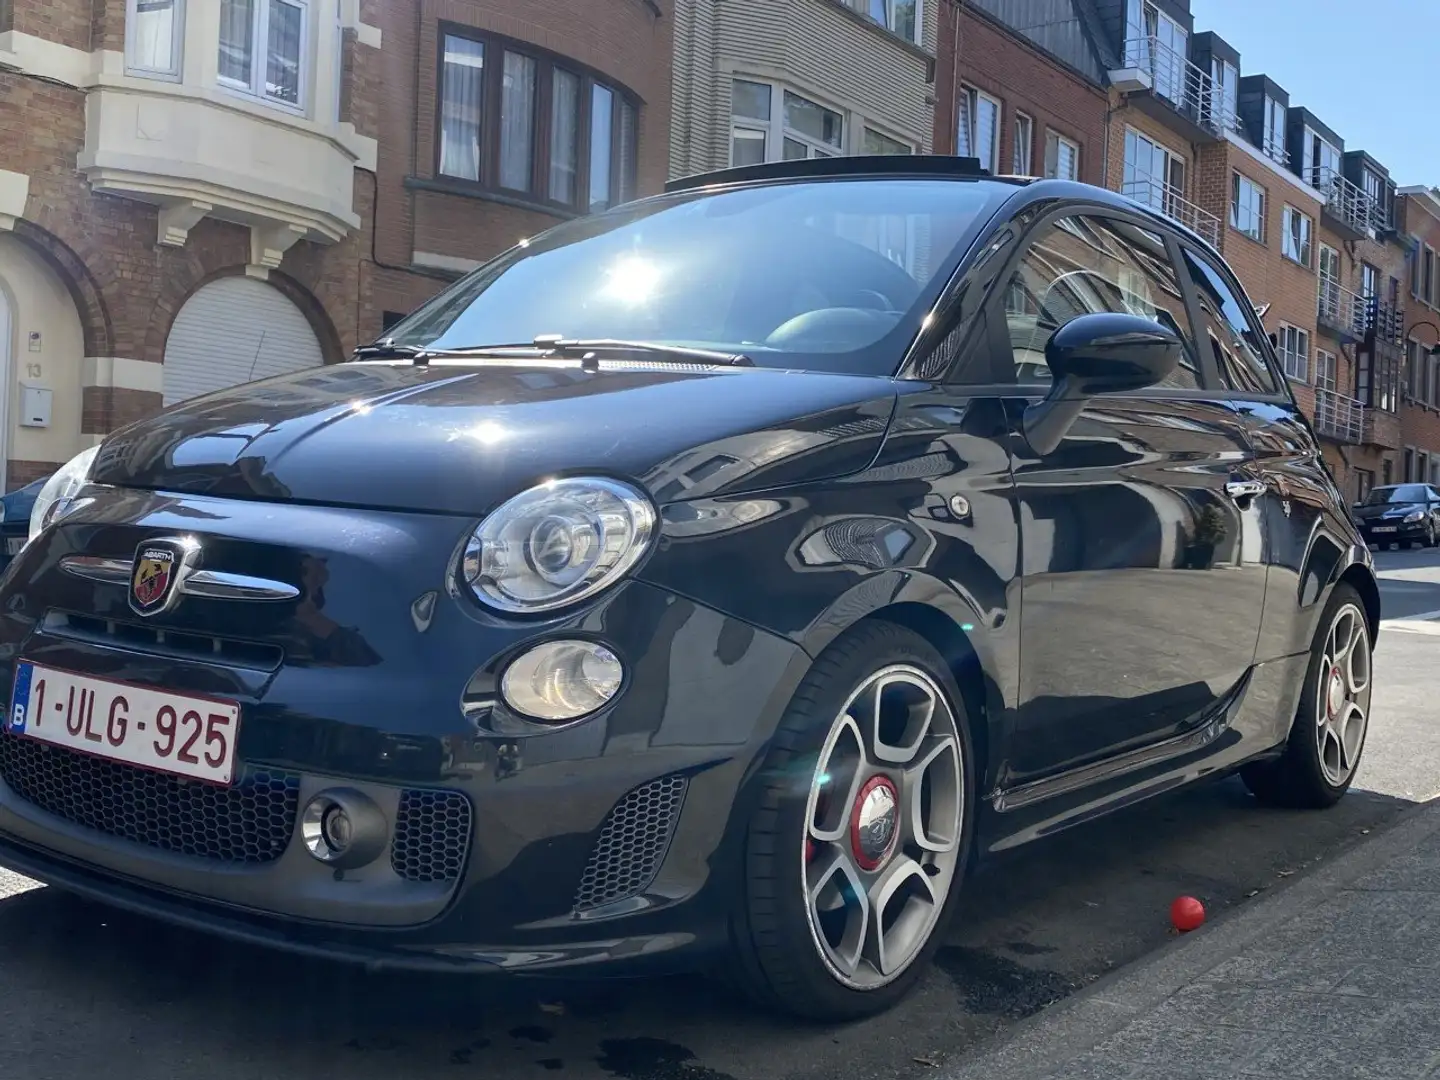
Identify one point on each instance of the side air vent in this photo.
(632, 843)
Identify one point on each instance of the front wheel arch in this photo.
(1359, 578)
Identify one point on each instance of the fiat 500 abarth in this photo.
(714, 577)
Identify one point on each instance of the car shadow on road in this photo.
(88, 988)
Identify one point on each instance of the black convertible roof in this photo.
(931, 165)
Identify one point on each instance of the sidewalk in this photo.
(1335, 976)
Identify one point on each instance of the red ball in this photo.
(1187, 914)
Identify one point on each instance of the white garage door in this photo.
(232, 331)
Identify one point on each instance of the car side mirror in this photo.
(1102, 353)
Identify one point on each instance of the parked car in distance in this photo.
(15, 508)
(711, 579)
(1404, 514)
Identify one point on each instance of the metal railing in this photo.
(1339, 416)
(1166, 198)
(1342, 308)
(1347, 201)
(1273, 147)
(1186, 86)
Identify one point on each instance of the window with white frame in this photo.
(1247, 206)
(1325, 370)
(900, 17)
(1322, 159)
(1157, 43)
(263, 49)
(875, 142)
(1295, 241)
(1224, 93)
(154, 36)
(1062, 157)
(1153, 174)
(977, 127)
(771, 123)
(1294, 347)
(1274, 130)
(1416, 260)
(1024, 145)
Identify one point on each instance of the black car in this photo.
(712, 578)
(1404, 514)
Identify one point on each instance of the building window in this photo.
(1275, 130)
(978, 127)
(1224, 93)
(1295, 352)
(1295, 241)
(1374, 186)
(1415, 260)
(263, 49)
(524, 123)
(1153, 175)
(1369, 281)
(876, 143)
(1158, 44)
(1427, 276)
(1322, 160)
(900, 17)
(771, 123)
(1024, 145)
(1062, 157)
(154, 33)
(1247, 207)
(1325, 370)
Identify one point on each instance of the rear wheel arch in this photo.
(1362, 580)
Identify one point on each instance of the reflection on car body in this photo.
(545, 656)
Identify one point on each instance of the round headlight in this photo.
(561, 680)
(59, 491)
(557, 544)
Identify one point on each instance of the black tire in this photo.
(1407, 544)
(775, 959)
(1297, 779)
(1430, 538)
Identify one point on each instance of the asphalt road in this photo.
(87, 991)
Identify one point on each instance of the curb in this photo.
(1048, 1040)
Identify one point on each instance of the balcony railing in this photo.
(1185, 86)
(1158, 195)
(1342, 308)
(1339, 417)
(1347, 201)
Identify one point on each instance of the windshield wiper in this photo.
(583, 349)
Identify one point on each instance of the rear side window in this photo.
(1082, 265)
(1238, 351)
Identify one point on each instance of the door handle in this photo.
(1245, 489)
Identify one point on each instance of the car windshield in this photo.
(1403, 493)
(829, 275)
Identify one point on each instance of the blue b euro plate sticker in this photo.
(20, 698)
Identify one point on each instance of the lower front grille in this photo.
(249, 822)
(632, 843)
(432, 835)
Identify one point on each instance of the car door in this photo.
(1142, 571)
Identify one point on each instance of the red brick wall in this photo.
(68, 22)
(992, 59)
(622, 40)
(1419, 420)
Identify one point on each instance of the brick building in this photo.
(1417, 215)
(1002, 98)
(182, 208)
(178, 208)
(501, 118)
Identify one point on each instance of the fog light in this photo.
(561, 680)
(343, 827)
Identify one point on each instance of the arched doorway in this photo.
(235, 330)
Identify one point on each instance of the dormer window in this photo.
(1274, 145)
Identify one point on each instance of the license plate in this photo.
(1384, 528)
(174, 733)
(13, 544)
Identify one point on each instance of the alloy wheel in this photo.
(1342, 699)
(883, 827)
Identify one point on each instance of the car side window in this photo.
(1239, 353)
(1082, 265)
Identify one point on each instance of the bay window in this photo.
(519, 121)
(154, 32)
(771, 123)
(262, 49)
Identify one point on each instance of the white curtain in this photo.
(154, 40)
(237, 42)
(282, 69)
(464, 78)
(564, 136)
(517, 121)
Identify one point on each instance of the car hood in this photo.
(458, 439)
(1384, 510)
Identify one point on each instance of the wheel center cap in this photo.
(875, 822)
(1335, 692)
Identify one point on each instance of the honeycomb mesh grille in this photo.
(249, 822)
(632, 843)
(432, 835)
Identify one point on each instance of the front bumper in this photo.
(1392, 532)
(610, 842)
